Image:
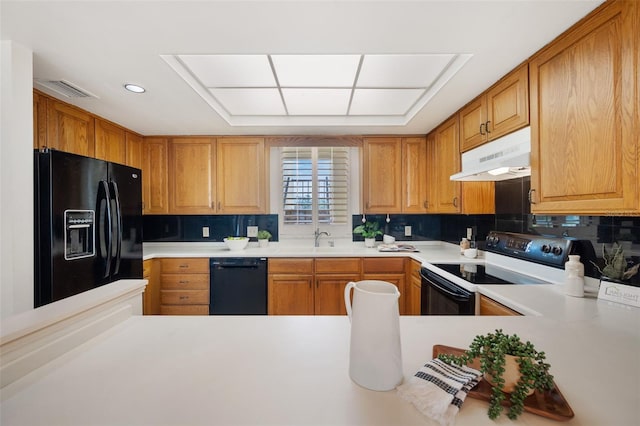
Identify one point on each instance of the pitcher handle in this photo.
(347, 299)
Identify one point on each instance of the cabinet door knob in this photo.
(530, 196)
(481, 126)
(455, 201)
(486, 127)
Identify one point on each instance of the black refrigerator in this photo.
(88, 224)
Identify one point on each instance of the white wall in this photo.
(16, 179)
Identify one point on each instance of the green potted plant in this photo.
(615, 266)
(511, 367)
(263, 237)
(369, 231)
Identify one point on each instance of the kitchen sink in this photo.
(335, 250)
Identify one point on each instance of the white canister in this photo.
(574, 277)
(375, 358)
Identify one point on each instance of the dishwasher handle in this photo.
(223, 266)
(238, 263)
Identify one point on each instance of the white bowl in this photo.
(471, 253)
(236, 243)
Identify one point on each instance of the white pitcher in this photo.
(375, 359)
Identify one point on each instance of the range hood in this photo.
(505, 158)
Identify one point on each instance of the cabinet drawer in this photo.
(185, 265)
(338, 265)
(291, 266)
(184, 309)
(383, 265)
(185, 281)
(184, 297)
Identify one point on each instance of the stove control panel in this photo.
(547, 250)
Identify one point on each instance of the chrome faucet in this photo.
(317, 234)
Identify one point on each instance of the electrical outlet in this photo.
(407, 231)
(205, 232)
(252, 231)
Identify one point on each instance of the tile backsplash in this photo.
(189, 228)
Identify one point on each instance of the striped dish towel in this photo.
(438, 389)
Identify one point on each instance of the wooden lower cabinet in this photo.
(184, 288)
(151, 298)
(389, 269)
(290, 294)
(413, 290)
(290, 287)
(331, 277)
(489, 306)
(308, 286)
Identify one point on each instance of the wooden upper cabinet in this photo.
(414, 175)
(473, 119)
(502, 109)
(155, 186)
(191, 175)
(109, 142)
(241, 176)
(446, 161)
(478, 197)
(382, 178)
(584, 117)
(134, 151)
(39, 121)
(474, 197)
(69, 129)
(432, 191)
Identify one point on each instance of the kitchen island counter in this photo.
(294, 370)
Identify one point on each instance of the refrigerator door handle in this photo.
(104, 224)
(117, 247)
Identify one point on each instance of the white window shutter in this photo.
(315, 185)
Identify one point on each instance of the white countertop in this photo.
(431, 251)
(294, 371)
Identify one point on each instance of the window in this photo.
(315, 189)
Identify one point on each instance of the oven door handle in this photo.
(462, 296)
(455, 296)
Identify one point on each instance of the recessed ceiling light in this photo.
(134, 88)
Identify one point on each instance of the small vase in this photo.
(511, 375)
(369, 242)
(263, 243)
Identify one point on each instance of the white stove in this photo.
(510, 259)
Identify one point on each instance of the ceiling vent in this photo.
(65, 88)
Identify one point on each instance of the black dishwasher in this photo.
(238, 286)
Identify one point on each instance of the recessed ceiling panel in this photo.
(316, 70)
(317, 101)
(230, 70)
(350, 89)
(383, 101)
(250, 101)
(401, 70)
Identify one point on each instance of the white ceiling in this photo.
(100, 45)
